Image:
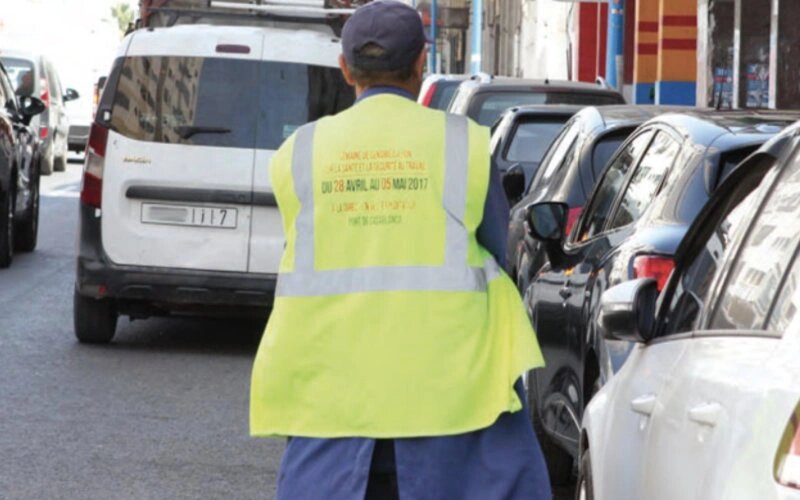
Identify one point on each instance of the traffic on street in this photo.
(366, 249)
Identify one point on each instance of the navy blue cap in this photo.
(393, 25)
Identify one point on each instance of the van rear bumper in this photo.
(142, 291)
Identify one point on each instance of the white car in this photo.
(177, 211)
(707, 406)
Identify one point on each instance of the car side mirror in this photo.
(71, 95)
(627, 311)
(29, 107)
(546, 221)
(514, 183)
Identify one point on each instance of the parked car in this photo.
(34, 75)
(522, 134)
(484, 98)
(80, 121)
(707, 404)
(437, 90)
(19, 171)
(573, 163)
(651, 191)
(177, 214)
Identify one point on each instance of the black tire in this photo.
(585, 488)
(95, 319)
(26, 229)
(46, 165)
(6, 228)
(559, 461)
(60, 163)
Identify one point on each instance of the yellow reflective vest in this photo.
(390, 320)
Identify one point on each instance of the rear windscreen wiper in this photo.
(187, 131)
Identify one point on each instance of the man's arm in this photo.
(492, 233)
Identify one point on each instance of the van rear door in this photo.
(177, 184)
(300, 83)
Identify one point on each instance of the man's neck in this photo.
(408, 88)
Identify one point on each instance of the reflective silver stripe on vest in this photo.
(454, 275)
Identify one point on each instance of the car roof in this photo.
(282, 43)
(728, 130)
(508, 83)
(599, 119)
(20, 54)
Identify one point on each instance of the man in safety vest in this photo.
(393, 354)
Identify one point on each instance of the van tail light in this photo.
(787, 460)
(92, 185)
(653, 266)
(43, 132)
(426, 100)
(45, 95)
(572, 217)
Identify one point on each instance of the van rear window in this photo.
(222, 102)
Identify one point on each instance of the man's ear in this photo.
(348, 77)
(422, 59)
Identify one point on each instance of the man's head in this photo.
(383, 43)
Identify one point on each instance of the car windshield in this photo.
(222, 102)
(20, 72)
(532, 138)
(489, 106)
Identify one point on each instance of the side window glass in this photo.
(555, 156)
(594, 219)
(646, 180)
(691, 289)
(4, 96)
(766, 254)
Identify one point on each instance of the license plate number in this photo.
(184, 215)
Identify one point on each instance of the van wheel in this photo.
(27, 228)
(95, 319)
(46, 165)
(6, 228)
(585, 489)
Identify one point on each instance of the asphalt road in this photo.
(161, 413)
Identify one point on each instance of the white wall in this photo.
(545, 38)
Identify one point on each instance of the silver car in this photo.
(34, 75)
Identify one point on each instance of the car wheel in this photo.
(46, 165)
(559, 461)
(585, 488)
(95, 319)
(27, 228)
(60, 163)
(6, 228)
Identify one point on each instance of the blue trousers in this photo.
(501, 462)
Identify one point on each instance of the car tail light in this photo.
(787, 461)
(43, 132)
(572, 217)
(426, 100)
(653, 266)
(45, 95)
(92, 185)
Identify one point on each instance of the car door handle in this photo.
(706, 413)
(644, 405)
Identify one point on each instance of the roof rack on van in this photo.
(165, 13)
(482, 77)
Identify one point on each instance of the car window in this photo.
(21, 74)
(594, 218)
(767, 252)
(691, 288)
(488, 106)
(604, 149)
(158, 99)
(7, 96)
(445, 90)
(531, 139)
(554, 158)
(646, 180)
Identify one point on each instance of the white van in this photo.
(177, 211)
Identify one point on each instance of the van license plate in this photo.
(183, 215)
